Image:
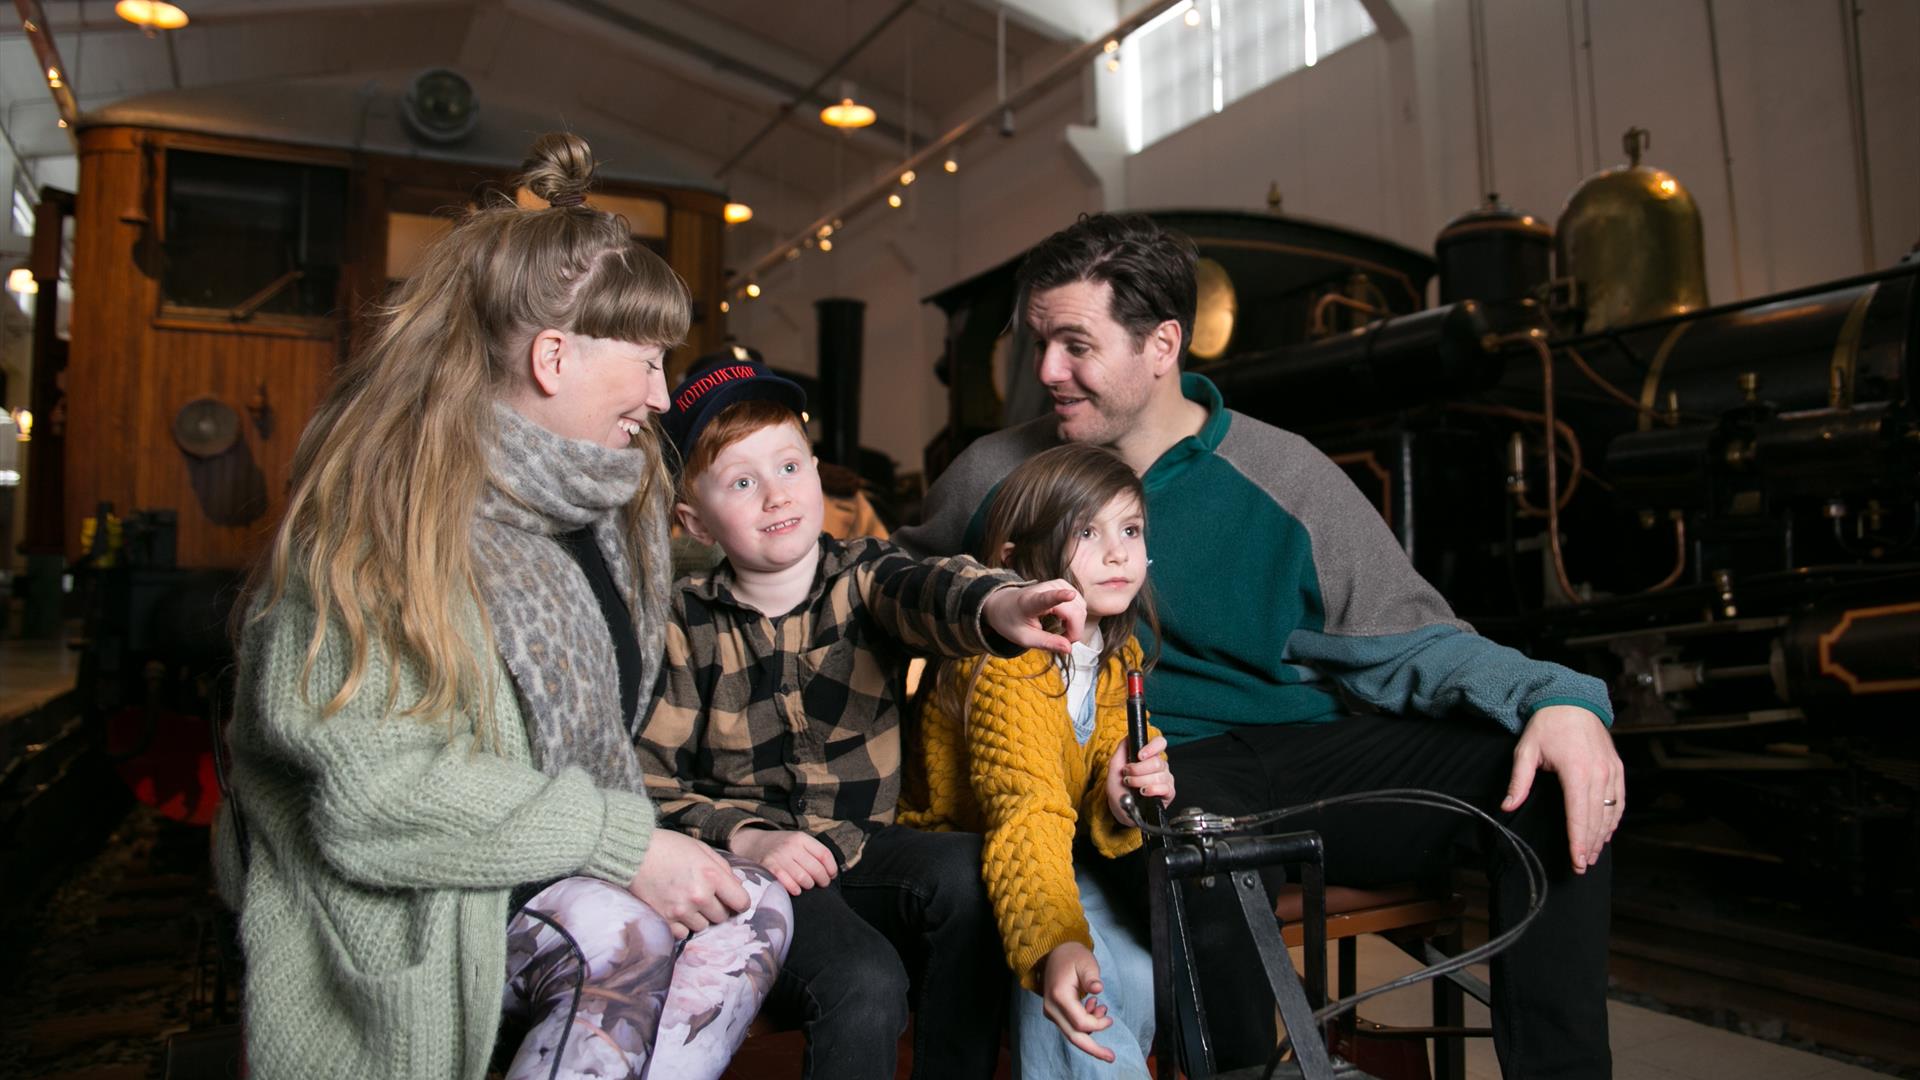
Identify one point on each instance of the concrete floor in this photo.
(1647, 1045)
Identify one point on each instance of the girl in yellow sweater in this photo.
(1031, 751)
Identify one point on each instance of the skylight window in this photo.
(1198, 57)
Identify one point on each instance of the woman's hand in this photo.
(686, 883)
(1070, 977)
(1016, 611)
(1148, 778)
(795, 859)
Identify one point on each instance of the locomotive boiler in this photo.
(1714, 508)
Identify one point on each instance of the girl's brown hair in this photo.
(1033, 527)
(389, 471)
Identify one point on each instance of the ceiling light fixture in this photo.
(951, 165)
(1193, 16)
(826, 245)
(908, 177)
(151, 14)
(753, 289)
(894, 200)
(725, 307)
(848, 114)
(737, 212)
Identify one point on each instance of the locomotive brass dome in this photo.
(1630, 237)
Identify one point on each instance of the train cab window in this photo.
(248, 239)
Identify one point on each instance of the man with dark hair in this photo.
(1283, 597)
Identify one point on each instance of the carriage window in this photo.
(248, 238)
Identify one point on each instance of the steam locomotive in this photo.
(1714, 508)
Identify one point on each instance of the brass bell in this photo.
(1630, 239)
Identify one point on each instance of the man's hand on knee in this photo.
(1573, 743)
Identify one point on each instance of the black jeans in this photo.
(1549, 1007)
(909, 922)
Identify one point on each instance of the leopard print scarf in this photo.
(546, 621)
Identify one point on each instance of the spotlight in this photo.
(753, 289)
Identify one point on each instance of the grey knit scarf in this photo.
(546, 621)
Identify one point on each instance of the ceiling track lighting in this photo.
(886, 188)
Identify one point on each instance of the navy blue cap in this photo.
(717, 380)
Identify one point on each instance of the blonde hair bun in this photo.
(558, 169)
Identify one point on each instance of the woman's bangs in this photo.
(635, 296)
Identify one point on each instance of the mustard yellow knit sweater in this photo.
(1017, 776)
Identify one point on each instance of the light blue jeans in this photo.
(1041, 1052)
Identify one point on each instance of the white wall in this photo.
(1380, 137)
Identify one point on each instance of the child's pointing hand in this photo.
(1017, 613)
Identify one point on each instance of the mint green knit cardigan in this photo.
(373, 911)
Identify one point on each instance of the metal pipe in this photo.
(832, 69)
(1679, 554)
(1726, 150)
(1066, 65)
(1537, 340)
(1573, 98)
(1857, 110)
(1317, 322)
(1575, 458)
(33, 19)
(1593, 96)
(1477, 62)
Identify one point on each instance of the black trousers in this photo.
(909, 922)
(1549, 1008)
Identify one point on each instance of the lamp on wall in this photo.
(23, 419)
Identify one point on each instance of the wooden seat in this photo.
(1423, 922)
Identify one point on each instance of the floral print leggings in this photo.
(611, 993)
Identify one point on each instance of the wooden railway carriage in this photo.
(225, 241)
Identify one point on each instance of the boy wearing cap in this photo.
(775, 732)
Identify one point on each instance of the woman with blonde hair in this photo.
(437, 814)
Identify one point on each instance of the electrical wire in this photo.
(1530, 861)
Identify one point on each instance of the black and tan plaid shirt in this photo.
(794, 722)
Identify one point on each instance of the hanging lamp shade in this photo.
(847, 114)
(151, 14)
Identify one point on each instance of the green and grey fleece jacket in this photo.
(1277, 586)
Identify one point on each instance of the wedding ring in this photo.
(1609, 802)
